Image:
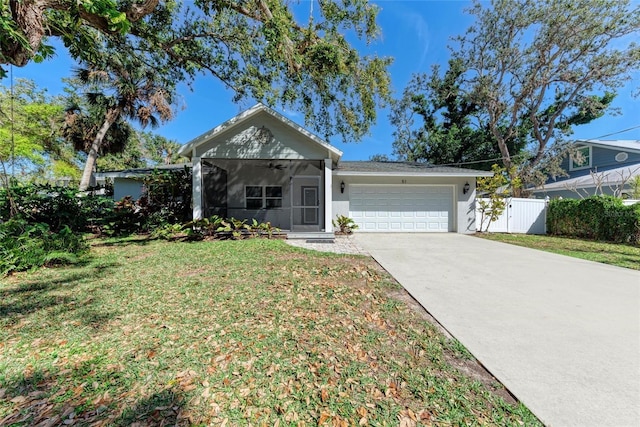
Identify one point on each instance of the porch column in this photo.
(196, 197)
(328, 195)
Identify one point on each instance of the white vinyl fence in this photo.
(520, 216)
(527, 216)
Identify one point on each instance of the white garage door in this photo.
(401, 208)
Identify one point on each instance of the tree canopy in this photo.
(518, 82)
(437, 123)
(30, 139)
(256, 48)
(545, 67)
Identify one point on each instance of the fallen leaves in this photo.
(268, 340)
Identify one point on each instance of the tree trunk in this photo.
(92, 156)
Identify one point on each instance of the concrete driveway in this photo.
(562, 334)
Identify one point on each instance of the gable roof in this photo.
(187, 149)
(372, 168)
(621, 144)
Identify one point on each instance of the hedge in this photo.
(597, 217)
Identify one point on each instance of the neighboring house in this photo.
(128, 182)
(601, 167)
(262, 165)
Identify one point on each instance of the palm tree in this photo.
(123, 90)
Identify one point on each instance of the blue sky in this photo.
(414, 32)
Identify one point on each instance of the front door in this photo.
(311, 205)
(306, 204)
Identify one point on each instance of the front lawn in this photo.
(608, 253)
(229, 333)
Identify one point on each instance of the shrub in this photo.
(167, 197)
(345, 224)
(26, 245)
(216, 227)
(597, 217)
(57, 207)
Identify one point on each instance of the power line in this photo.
(614, 133)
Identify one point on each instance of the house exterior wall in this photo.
(123, 187)
(257, 173)
(464, 204)
(602, 159)
(245, 141)
(579, 193)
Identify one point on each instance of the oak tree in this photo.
(257, 48)
(546, 66)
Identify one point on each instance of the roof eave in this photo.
(187, 149)
(428, 174)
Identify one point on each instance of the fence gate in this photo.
(520, 216)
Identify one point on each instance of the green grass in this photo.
(627, 256)
(239, 332)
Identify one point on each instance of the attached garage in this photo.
(402, 197)
(402, 208)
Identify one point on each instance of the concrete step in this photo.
(327, 237)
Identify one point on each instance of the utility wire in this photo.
(614, 133)
(525, 154)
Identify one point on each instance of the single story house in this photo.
(128, 182)
(261, 165)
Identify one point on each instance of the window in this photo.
(582, 158)
(253, 196)
(259, 197)
(273, 197)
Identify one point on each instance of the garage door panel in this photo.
(402, 208)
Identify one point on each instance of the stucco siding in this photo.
(463, 204)
(250, 140)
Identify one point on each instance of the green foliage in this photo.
(345, 224)
(635, 187)
(126, 218)
(259, 50)
(598, 217)
(25, 245)
(436, 121)
(30, 131)
(216, 227)
(167, 196)
(527, 70)
(58, 207)
(493, 203)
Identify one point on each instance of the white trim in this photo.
(245, 115)
(616, 145)
(196, 181)
(263, 197)
(622, 156)
(328, 195)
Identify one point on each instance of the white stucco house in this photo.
(261, 165)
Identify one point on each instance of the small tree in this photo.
(493, 188)
(635, 187)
